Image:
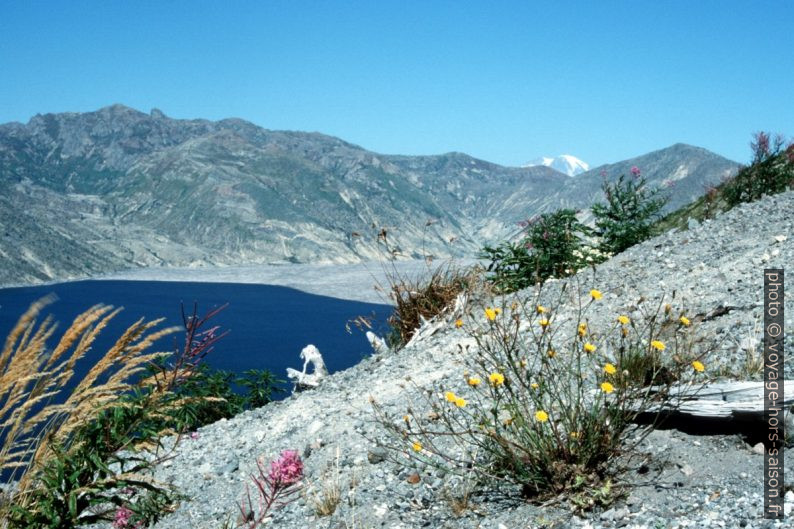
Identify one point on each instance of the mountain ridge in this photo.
(97, 192)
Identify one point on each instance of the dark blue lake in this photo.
(269, 325)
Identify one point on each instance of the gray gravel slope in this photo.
(695, 481)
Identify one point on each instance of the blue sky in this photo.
(503, 81)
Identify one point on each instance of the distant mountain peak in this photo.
(564, 163)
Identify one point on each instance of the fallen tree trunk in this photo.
(724, 399)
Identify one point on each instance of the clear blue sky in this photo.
(503, 81)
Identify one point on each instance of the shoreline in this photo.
(366, 281)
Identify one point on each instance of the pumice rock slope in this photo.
(714, 269)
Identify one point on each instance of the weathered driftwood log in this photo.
(303, 380)
(724, 400)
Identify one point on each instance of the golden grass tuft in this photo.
(31, 376)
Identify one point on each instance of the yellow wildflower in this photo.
(552, 353)
(595, 294)
(541, 416)
(575, 435)
(417, 446)
(544, 322)
(659, 346)
(450, 396)
(458, 323)
(624, 320)
(582, 329)
(624, 331)
(407, 419)
(541, 309)
(606, 387)
(534, 385)
(610, 369)
(474, 381)
(490, 314)
(460, 402)
(684, 321)
(589, 347)
(496, 379)
(698, 366)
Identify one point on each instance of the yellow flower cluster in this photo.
(417, 446)
(606, 387)
(496, 379)
(544, 322)
(474, 381)
(659, 346)
(582, 329)
(458, 323)
(541, 309)
(589, 347)
(595, 294)
(460, 402)
(541, 416)
(610, 369)
(624, 320)
(685, 321)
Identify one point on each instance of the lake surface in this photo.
(269, 325)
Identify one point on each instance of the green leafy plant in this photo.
(628, 216)
(552, 245)
(551, 404)
(771, 171)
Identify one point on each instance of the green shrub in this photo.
(628, 216)
(550, 405)
(771, 171)
(552, 246)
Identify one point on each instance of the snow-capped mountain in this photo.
(565, 163)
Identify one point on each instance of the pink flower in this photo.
(287, 469)
(194, 435)
(122, 519)
(761, 144)
(635, 170)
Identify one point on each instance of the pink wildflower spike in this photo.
(635, 170)
(287, 469)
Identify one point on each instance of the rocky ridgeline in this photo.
(713, 270)
(83, 194)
